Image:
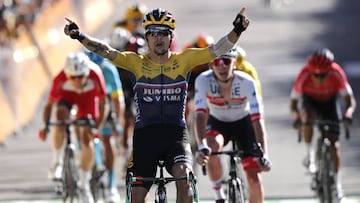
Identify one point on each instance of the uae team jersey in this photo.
(335, 82)
(244, 98)
(87, 98)
(160, 89)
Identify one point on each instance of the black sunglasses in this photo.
(320, 75)
(161, 33)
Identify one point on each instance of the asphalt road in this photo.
(277, 43)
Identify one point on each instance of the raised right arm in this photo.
(92, 44)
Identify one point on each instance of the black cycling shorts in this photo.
(241, 131)
(158, 142)
(324, 110)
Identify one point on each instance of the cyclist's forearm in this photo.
(199, 128)
(99, 47)
(101, 117)
(260, 133)
(350, 104)
(47, 112)
(294, 108)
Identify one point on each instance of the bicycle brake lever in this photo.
(204, 170)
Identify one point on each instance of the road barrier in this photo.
(39, 54)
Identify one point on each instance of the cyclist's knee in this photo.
(138, 194)
(181, 169)
(253, 177)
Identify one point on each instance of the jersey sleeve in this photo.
(196, 56)
(344, 87)
(254, 99)
(127, 59)
(297, 89)
(201, 85)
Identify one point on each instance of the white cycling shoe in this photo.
(113, 195)
(85, 195)
(309, 164)
(55, 172)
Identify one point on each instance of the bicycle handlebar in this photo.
(231, 153)
(89, 121)
(322, 123)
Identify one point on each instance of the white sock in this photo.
(84, 180)
(308, 147)
(58, 156)
(311, 155)
(219, 191)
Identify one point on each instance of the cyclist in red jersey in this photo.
(81, 84)
(160, 95)
(314, 95)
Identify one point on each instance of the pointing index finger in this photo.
(242, 10)
(70, 21)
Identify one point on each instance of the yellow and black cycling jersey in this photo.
(161, 89)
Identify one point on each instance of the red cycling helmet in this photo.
(320, 61)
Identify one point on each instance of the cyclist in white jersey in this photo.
(232, 103)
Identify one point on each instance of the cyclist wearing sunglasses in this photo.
(80, 83)
(232, 101)
(316, 90)
(160, 95)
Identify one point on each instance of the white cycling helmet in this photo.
(76, 64)
(119, 38)
(230, 54)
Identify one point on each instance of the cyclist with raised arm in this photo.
(231, 100)
(80, 83)
(114, 120)
(160, 96)
(314, 95)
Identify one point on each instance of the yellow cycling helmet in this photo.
(136, 11)
(241, 52)
(159, 17)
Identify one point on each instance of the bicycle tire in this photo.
(97, 186)
(71, 176)
(161, 195)
(235, 194)
(327, 182)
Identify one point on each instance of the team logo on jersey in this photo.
(164, 94)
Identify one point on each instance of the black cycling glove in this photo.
(78, 35)
(239, 24)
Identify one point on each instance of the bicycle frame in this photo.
(67, 186)
(161, 181)
(96, 184)
(324, 176)
(234, 182)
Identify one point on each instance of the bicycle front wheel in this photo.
(70, 176)
(161, 195)
(327, 176)
(236, 192)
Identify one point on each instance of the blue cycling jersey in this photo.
(112, 79)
